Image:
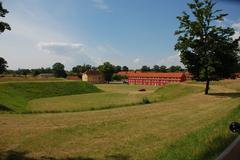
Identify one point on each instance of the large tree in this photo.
(58, 70)
(3, 65)
(107, 69)
(3, 25)
(208, 51)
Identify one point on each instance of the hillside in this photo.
(15, 96)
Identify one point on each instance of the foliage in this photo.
(156, 68)
(145, 69)
(82, 68)
(163, 68)
(107, 69)
(175, 69)
(125, 68)
(38, 71)
(58, 70)
(208, 51)
(117, 77)
(3, 65)
(24, 72)
(145, 100)
(3, 25)
(117, 69)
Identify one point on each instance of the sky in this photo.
(77, 32)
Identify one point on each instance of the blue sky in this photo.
(124, 32)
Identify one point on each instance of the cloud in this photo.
(101, 5)
(61, 48)
(171, 60)
(136, 60)
(236, 26)
(75, 53)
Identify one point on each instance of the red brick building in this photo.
(153, 78)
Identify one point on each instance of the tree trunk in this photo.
(207, 87)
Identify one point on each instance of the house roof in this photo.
(153, 74)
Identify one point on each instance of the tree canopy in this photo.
(3, 25)
(207, 50)
(3, 65)
(107, 69)
(58, 70)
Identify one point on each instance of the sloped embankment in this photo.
(15, 96)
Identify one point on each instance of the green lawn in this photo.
(16, 95)
(114, 95)
(185, 127)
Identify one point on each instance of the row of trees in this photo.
(157, 68)
(108, 69)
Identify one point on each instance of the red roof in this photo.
(153, 74)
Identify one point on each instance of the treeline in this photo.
(157, 68)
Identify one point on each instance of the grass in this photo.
(190, 126)
(15, 96)
(114, 96)
(206, 143)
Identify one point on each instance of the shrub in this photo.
(145, 100)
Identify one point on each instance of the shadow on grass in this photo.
(215, 147)
(118, 157)
(231, 95)
(18, 155)
(4, 108)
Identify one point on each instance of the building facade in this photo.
(153, 78)
(93, 77)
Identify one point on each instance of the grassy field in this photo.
(15, 96)
(118, 95)
(179, 125)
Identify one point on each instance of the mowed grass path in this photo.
(113, 96)
(155, 131)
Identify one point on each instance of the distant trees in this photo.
(209, 52)
(117, 69)
(38, 71)
(58, 70)
(3, 25)
(3, 65)
(175, 69)
(156, 68)
(125, 68)
(117, 77)
(107, 69)
(145, 69)
(163, 68)
(82, 68)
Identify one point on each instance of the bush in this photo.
(145, 100)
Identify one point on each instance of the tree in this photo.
(107, 69)
(145, 69)
(175, 69)
(58, 70)
(208, 51)
(117, 69)
(163, 68)
(3, 65)
(3, 25)
(156, 68)
(125, 68)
